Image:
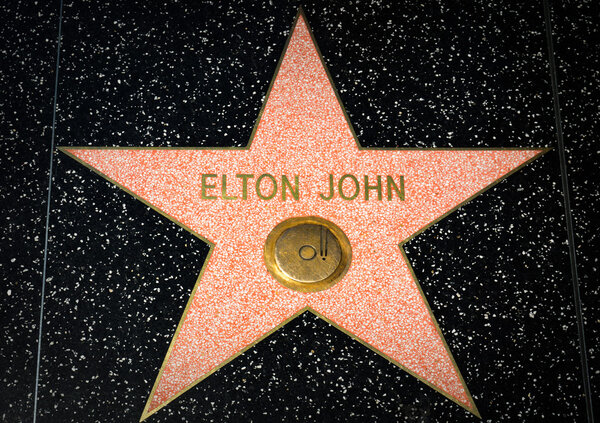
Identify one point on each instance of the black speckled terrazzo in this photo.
(433, 74)
(28, 33)
(578, 62)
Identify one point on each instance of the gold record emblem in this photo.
(307, 254)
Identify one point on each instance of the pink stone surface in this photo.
(303, 131)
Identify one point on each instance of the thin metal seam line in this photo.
(43, 293)
(568, 217)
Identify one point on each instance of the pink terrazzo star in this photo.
(303, 131)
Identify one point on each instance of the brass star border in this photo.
(303, 121)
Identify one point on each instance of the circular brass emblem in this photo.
(307, 254)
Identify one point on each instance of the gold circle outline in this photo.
(284, 279)
(312, 250)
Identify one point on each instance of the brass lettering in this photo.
(285, 183)
(392, 185)
(341, 187)
(258, 188)
(204, 186)
(244, 177)
(330, 196)
(372, 187)
(224, 189)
